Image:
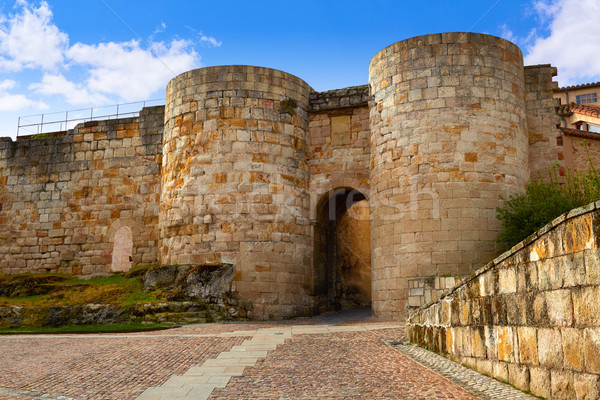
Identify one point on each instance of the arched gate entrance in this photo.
(342, 251)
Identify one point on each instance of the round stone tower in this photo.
(448, 137)
(235, 181)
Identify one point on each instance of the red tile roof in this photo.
(583, 85)
(580, 133)
(590, 111)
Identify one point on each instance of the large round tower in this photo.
(235, 181)
(448, 136)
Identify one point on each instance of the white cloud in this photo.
(508, 34)
(210, 40)
(74, 94)
(546, 9)
(106, 72)
(7, 84)
(573, 45)
(161, 28)
(130, 72)
(29, 39)
(14, 102)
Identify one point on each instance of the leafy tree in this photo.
(523, 214)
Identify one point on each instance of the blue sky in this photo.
(64, 54)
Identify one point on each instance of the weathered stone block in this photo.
(550, 348)
(572, 347)
(559, 307)
(562, 385)
(484, 366)
(578, 234)
(592, 266)
(518, 376)
(528, 346)
(549, 275)
(517, 313)
(539, 382)
(586, 386)
(591, 350)
(485, 311)
(507, 281)
(500, 371)
(573, 270)
(586, 306)
(539, 310)
(499, 312)
(505, 343)
(478, 342)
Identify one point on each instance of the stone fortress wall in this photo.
(320, 200)
(63, 199)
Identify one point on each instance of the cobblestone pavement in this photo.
(101, 366)
(344, 365)
(482, 386)
(321, 358)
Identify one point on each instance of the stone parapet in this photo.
(531, 316)
(355, 96)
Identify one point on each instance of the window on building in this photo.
(593, 128)
(587, 98)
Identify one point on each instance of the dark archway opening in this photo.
(342, 255)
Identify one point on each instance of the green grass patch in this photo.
(88, 328)
(67, 290)
(115, 279)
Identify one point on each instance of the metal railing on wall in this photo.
(64, 120)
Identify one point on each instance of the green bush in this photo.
(523, 214)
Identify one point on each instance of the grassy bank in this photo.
(87, 329)
(66, 290)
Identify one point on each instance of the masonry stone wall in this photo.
(448, 136)
(580, 150)
(249, 166)
(235, 181)
(338, 140)
(339, 153)
(531, 317)
(62, 199)
(542, 120)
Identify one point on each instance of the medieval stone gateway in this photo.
(251, 167)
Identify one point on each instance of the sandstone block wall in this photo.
(235, 181)
(62, 199)
(339, 153)
(423, 290)
(531, 317)
(448, 136)
(542, 120)
(579, 150)
(338, 142)
(244, 165)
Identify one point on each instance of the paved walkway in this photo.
(340, 356)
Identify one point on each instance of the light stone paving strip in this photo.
(473, 382)
(198, 382)
(12, 393)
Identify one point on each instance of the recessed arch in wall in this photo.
(321, 190)
(342, 250)
(122, 251)
(121, 235)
